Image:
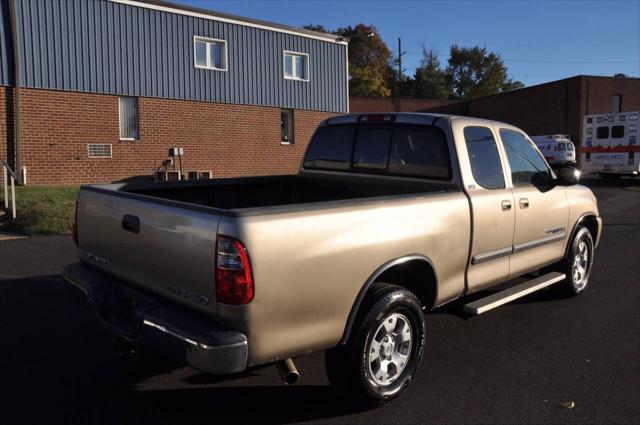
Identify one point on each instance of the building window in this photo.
(296, 66)
(616, 103)
(286, 127)
(99, 150)
(128, 118)
(209, 53)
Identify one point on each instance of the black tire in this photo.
(350, 367)
(577, 277)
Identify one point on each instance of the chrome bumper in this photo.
(142, 319)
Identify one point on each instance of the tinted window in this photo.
(570, 146)
(602, 132)
(562, 147)
(419, 151)
(372, 148)
(484, 157)
(331, 148)
(527, 166)
(617, 132)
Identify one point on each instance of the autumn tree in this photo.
(474, 72)
(369, 61)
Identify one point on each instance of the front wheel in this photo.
(384, 349)
(578, 262)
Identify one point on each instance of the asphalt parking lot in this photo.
(516, 364)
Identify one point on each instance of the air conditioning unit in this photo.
(199, 175)
(168, 176)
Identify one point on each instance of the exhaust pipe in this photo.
(288, 371)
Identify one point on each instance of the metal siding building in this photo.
(79, 57)
(129, 48)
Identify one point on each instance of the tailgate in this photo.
(164, 247)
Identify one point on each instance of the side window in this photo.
(372, 148)
(527, 166)
(617, 132)
(484, 157)
(602, 132)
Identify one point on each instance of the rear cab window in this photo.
(403, 150)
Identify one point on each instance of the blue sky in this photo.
(539, 41)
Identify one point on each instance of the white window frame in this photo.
(305, 61)
(209, 42)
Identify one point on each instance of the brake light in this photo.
(74, 228)
(377, 117)
(234, 280)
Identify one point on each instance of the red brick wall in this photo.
(229, 140)
(598, 93)
(371, 104)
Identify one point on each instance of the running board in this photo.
(513, 293)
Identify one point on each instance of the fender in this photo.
(372, 279)
(575, 229)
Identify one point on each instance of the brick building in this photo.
(107, 87)
(391, 104)
(557, 107)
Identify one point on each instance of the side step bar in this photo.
(513, 293)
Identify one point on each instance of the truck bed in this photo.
(271, 191)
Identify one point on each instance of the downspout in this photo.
(16, 77)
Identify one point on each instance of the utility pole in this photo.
(400, 54)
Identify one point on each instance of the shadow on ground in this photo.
(59, 367)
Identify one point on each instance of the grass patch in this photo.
(44, 210)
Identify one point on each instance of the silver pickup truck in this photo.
(389, 215)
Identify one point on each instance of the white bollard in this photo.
(6, 193)
(13, 198)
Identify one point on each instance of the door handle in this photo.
(506, 205)
(131, 223)
(524, 203)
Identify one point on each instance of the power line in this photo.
(413, 52)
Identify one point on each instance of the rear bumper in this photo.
(148, 321)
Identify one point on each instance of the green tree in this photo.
(474, 72)
(369, 61)
(317, 28)
(430, 80)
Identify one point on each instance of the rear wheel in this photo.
(384, 348)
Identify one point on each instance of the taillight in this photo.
(74, 228)
(234, 280)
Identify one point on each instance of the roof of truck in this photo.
(404, 117)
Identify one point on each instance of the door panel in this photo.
(540, 228)
(492, 204)
(492, 238)
(541, 210)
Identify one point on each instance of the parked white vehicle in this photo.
(610, 144)
(556, 148)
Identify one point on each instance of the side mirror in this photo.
(567, 175)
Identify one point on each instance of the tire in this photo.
(578, 263)
(389, 334)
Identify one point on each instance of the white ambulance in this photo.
(556, 148)
(610, 144)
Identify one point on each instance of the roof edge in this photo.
(197, 12)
